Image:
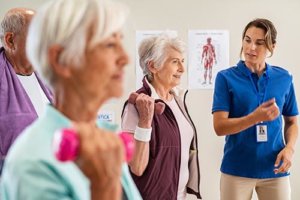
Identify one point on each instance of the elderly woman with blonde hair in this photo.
(165, 164)
(76, 45)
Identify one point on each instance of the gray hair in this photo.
(12, 22)
(155, 49)
(68, 23)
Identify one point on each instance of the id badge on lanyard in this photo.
(261, 132)
(261, 128)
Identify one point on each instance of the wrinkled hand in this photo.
(159, 107)
(267, 111)
(100, 158)
(284, 157)
(145, 108)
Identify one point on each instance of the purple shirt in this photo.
(16, 109)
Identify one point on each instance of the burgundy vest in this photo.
(161, 177)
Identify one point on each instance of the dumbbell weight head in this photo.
(66, 144)
(159, 107)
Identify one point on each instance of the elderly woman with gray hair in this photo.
(77, 47)
(165, 163)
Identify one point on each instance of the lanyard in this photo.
(256, 89)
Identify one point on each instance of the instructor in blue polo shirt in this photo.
(252, 103)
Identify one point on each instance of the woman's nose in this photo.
(124, 58)
(253, 46)
(181, 67)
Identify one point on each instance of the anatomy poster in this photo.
(140, 35)
(208, 53)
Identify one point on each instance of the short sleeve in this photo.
(290, 107)
(130, 118)
(221, 99)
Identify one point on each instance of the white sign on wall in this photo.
(106, 116)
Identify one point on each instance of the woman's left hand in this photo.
(285, 158)
(145, 107)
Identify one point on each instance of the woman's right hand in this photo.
(267, 111)
(100, 158)
(145, 107)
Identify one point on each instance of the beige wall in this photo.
(232, 15)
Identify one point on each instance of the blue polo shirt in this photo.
(239, 92)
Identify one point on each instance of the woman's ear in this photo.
(59, 68)
(152, 67)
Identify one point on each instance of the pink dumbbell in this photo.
(159, 107)
(66, 144)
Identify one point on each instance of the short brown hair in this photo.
(270, 32)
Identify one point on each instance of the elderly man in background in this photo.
(22, 94)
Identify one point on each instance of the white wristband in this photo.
(142, 134)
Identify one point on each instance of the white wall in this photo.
(231, 15)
